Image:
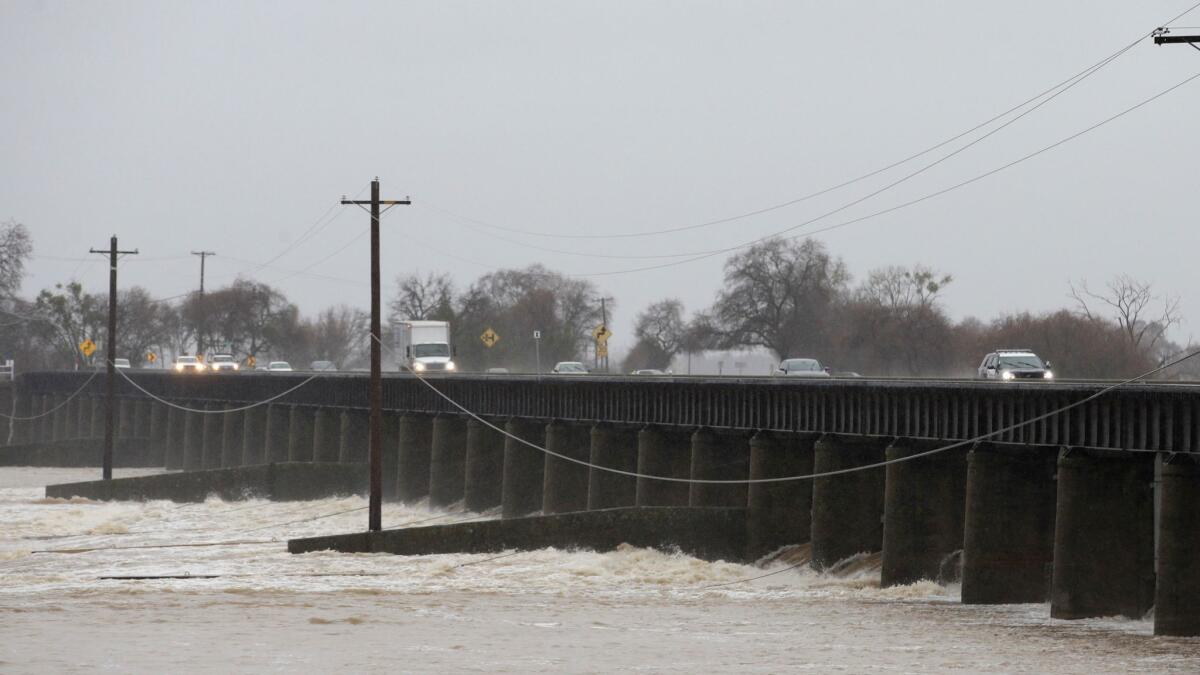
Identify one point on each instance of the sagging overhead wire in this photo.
(774, 207)
(811, 476)
(918, 200)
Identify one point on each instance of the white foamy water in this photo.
(248, 605)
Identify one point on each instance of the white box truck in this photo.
(424, 346)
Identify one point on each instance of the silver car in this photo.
(1014, 364)
(801, 368)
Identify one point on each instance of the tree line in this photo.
(791, 298)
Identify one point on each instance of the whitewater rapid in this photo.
(239, 601)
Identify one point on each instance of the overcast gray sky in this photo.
(235, 127)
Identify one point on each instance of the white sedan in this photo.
(279, 367)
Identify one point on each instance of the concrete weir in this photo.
(708, 533)
(289, 481)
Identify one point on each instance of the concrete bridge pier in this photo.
(355, 437)
(83, 417)
(99, 410)
(780, 514)
(254, 435)
(71, 417)
(847, 511)
(279, 418)
(663, 452)
(327, 435)
(126, 416)
(301, 422)
(1177, 595)
(415, 450)
(232, 436)
(447, 460)
(565, 483)
(524, 469)
(1103, 535)
(924, 506)
(1008, 531)
(43, 425)
(719, 456)
(485, 465)
(214, 435)
(141, 418)
(158, 432)
(391, 454)
(615, 447)
(193, 437)
(173, 446)
(20, 428)
(58, 418)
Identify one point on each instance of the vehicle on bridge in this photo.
(189, 364)
(219, 362)
(649, 371)
(801, 368)
(121, 363)
(569, 368)
(424, 346)
(1014, 364)
(279, 367)
(323, 366)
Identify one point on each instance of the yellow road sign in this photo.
(489, 338)
(250, 361)
(601, 334)
(87, 347)
(151, 357)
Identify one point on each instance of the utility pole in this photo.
(375, 507)
(1162, 36)
(604, 322)
(203, 317)
(110, 395)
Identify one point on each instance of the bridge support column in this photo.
(1103, 535)
(327, 435)
(447, 460)
(193, 437)
(1177, 595)
(214, 436)
(126, 416)
(847, 511)
(301, 423)
(716, 456)
(1008, 533)
(141, 418)
(924, 504)
(173, 445)
(485, 467)
(780, 514)
(44, 425)
(616, 448)
(232, 435)
(663, 452)
(58, 418)
(524, 469)
(20, 428)
(83, 419)
(254, 435)
(158, 432)
(71, 417)
(99, 410)
(565, 483)
(391, 454)
(355, 439)
(416, 448)
(275, 447)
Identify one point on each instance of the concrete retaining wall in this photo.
(291, 481)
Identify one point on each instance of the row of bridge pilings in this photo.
(1095, 532)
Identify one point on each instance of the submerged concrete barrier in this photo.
(847, 513)
(711, 534)
(565, 483)
(289, 481)
(1008, 536)
(779, 514)
(1103, 535)
(82, 452)
(923, 512)
(1177, 595)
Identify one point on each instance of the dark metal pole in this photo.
(111, 350)
(376, 396)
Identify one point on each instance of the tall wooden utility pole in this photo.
(203, 320)
(110, 394)
(375, 519)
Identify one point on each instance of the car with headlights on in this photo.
(189, 364)
(1014, 364)
(219, 362)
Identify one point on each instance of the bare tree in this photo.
(15, 247)
(662, 325)
(1143, 316)
(421, 298)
